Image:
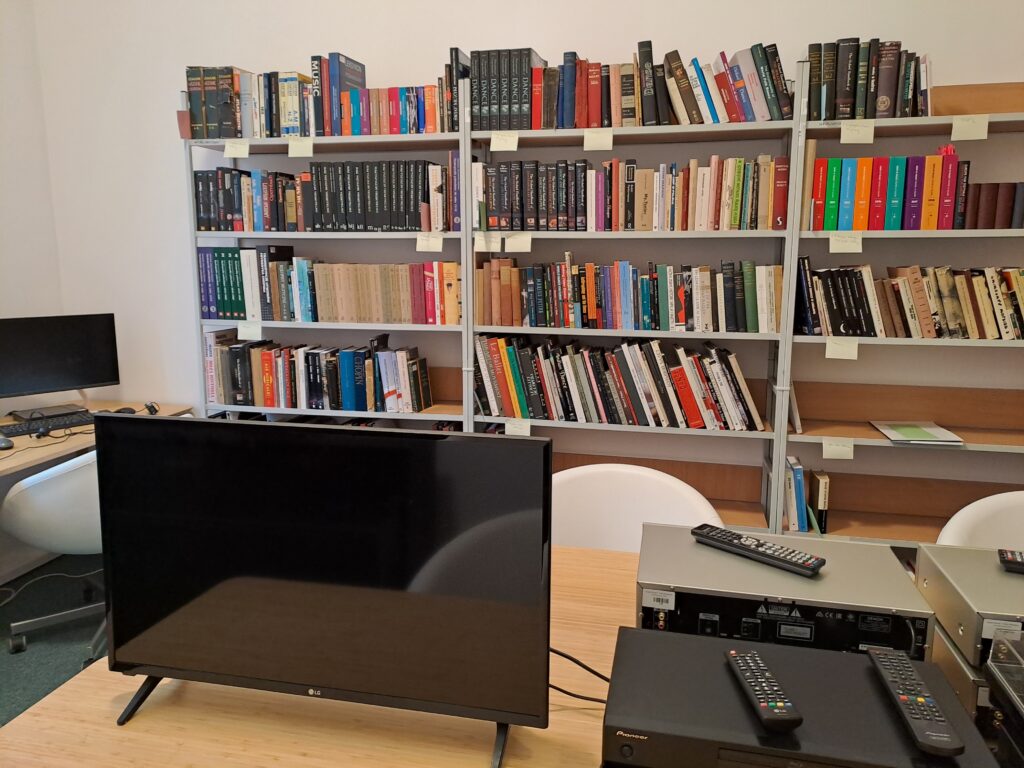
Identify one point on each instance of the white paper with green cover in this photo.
(916, 433)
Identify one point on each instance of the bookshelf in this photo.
(883, 497)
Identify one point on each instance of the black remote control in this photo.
(1012, 560)
(920, 712)
(771, 704)
(767, 552)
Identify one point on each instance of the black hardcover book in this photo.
(210, 111)
(226, 183)
(357, 195)
(741, 294)
(570, 195)
(530, 195)
(504, 197)
(561, 196)
(549, 113)
(461, 65)
(846, 76)
(474, 92)
(371, 179)
(963, 174)
(516, 189)
(491, 197)
(648, 99)
(814, 82)
(848, 310)
(906, 104)
(504, 86)
(552, 187)
(778, 80)
(606, 96)
(874, 47)
(334, 174)
(666, 115)
(631, 390)
(860, 105)
(607, 198)
(629, 204)
(531, 60)
(596, 360)
(555, 355)
(494, 78)
(307, 201)
(202, 215)
(321, 200)
(315, 222)
(236, 197)
(828, 80)
(582, 166)
(515, 102)
(399, 196)
(729, 289)
(900, 75)
(542, 196)
(867, 322)
(652, 276)
(226, 103)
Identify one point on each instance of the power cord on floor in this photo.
(582, 665)
(576, 695)
(16, 592)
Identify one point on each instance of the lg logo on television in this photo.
(314, 692)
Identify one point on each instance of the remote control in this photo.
(766, 552)
(1012, 560)
(773, 708)
(920, 712)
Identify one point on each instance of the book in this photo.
(916, 433)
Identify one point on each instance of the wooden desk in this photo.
(47, 450)
(196, 724)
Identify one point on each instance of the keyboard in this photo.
(54, 423)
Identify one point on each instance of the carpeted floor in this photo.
(54, 654)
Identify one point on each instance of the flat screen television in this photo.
(391, 567)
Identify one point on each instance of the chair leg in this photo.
(98, 645)
(54, 619)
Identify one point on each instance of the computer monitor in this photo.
(392, 567)
(56, 354)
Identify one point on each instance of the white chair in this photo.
(995, 522)
(57, 510)
(604, 506)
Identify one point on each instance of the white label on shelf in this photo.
(840, 348)
(597, 139)
(518, 427)
(990, 626)
(837, 449)
(487, 242)
(520, 242)
(968, 127)
(300, 146)
(845, 242)
(250, 330)
(660, 599)
(236, 147)
(504, 141)
(857, 132)
(429, 242)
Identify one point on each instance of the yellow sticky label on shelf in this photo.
(487, 242)
(236, 148)
(300, 146)
(429, 242)
(520, 242)
(837, 449)
(845, 242)
(969, 127)
(504, 141)
(857, 132)
(597, 139)
(518, 427)
(250, 330)
(840, 348)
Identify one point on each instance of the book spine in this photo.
(764, 74)
(814, 82)
(963, 173)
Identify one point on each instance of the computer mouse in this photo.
(6, 443)
(125, 410)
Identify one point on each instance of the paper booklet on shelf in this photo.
(916, 433)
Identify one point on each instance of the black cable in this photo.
(579, 663)
(576, 695)
(68, 434)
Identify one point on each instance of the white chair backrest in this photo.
(604, 506)
(995, 522)
(57, 509)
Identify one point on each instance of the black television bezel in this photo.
(341, 694)
(90, 385)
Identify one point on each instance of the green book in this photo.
(664, 320)
(232, 275)
(737, 195)
(517, 379)
(750, 295)
(894, 193)
(832, 179)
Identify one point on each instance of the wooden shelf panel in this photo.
(437, 412)
(916, 234)
(662, 134)
(862, 433)
(546, 424)
(731, 234)
(873, 525)
(621, 333)
(900, 342)
(1012, 122)
(370, 328)
(746, 514)
(323, 144)
(321, 235)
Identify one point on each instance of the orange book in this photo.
(592, 296)
(346, 113)
(430, 108)
(932, 192)
(862, 194)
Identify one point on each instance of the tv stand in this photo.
(500, 740)
(141, 695)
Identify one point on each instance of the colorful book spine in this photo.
(847, 192)
(913, 192)
(894, 194)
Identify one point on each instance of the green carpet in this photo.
(54, 654)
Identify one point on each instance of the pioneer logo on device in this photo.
(632, 735)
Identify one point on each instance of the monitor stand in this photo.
(52, 411)
(500, 740)
(140, 696)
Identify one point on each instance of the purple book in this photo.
(453, 158)
(599, 201)
(913, 192)
(364, 111)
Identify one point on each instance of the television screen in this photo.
(391, 567)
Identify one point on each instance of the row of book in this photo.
(266, 374)
(866, 79)
(805, 500)
(515, 89)
(911, 302)
(230, 102)
(917, 192)
(268, 282)
(742, 297)
(635, 383)
(727, 194)
(348, 196)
